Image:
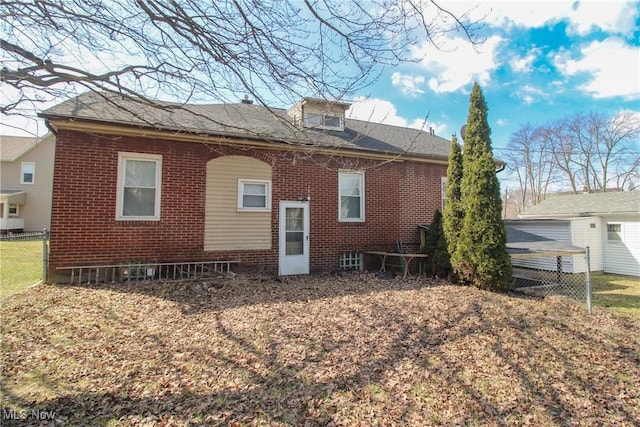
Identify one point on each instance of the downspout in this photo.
(48, 125)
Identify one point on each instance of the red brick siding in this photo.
(84, 231)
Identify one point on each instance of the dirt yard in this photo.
(330, 350)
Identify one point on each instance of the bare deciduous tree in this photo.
(218, 51)
(583, 152)
(528, 153)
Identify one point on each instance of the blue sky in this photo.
(540, 60)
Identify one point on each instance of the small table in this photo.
(406, 257)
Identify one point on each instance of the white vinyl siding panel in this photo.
(556, 230)
(583, 235)
(226, 228)
(622, 257)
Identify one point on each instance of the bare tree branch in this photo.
(194, 50)
(592, 151)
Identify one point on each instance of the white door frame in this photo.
(297, 263)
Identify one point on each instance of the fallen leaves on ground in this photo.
(321, 350)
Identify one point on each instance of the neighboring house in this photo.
(285, 191)
(26, 168)
(608, 223)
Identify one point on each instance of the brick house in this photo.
(291, 192)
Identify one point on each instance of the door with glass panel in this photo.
(294, 238)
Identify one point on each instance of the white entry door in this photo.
(294, 238)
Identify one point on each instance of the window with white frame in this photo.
(614, 232)
(323, 121)
(443, 191)
(28, 173)
(351, 196)
(13, 210)
(254, 195)
(139, 186)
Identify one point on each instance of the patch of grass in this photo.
(21, 266)
(618, 293)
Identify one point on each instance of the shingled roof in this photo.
(12, 147)
(523, 242)
(617, 202)
(249, 122)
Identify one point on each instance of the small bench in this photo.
(404, 257)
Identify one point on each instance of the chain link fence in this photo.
(23, 260)
(558, 273)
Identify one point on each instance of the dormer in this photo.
(319, 114)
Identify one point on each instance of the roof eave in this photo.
(140, 130)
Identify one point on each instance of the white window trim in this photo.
(443, 192)
(33, 177)
(17, 212)
(122, 158)
(615, 242)
(362, 197)
(266, 183)
(322, 125)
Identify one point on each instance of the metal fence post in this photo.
(588, 277)
(45, 254)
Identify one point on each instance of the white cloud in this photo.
(530, 14)
(375, 110)
(613, 67)
(457, 63)
(409, 85)
(614, 16)
(382, 111)
(524, 64)
(530, 94)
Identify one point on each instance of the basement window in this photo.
(351, 261)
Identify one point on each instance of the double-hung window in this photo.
(28, 173)
(139, 184)
(351, 196)
(254, 195)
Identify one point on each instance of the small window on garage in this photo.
(614, 232)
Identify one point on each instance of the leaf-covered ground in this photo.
(332, 350)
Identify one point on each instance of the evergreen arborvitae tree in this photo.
(453, 213)
(436, 247)
(481, 257)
